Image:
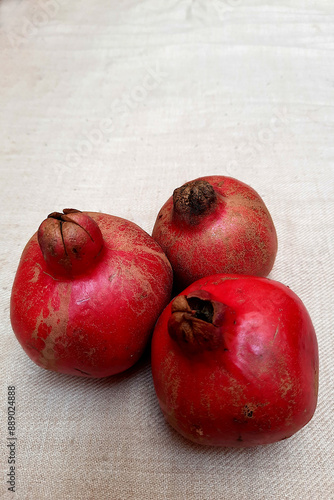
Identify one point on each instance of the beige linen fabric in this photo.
(109, 106)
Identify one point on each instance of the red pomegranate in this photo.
(235, 362)
(87, 293)
(216, 225)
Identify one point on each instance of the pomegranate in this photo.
(235, 362)
(213, 225)
(87, 293)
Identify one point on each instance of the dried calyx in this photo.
(196, 321)
(71, 242)
(193, 200)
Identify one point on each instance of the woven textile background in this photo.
(109, 106)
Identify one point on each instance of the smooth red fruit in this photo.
(213, 225)
(235, 362)
(87, 293)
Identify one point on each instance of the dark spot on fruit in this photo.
(197, 430)
(203, 308)
(248, 411)
(239, 438)
(159, 216)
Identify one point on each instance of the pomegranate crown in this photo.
(194, 200)
(197, 322)
(71, 242)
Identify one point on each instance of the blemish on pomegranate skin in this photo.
(55, 279)
(197, 429)
(248, 411)
(37, 271)
(36, 344)
(276, 332)
(83, 300)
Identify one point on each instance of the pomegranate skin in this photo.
(96, 323)
(226, 230)
(258, 385)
